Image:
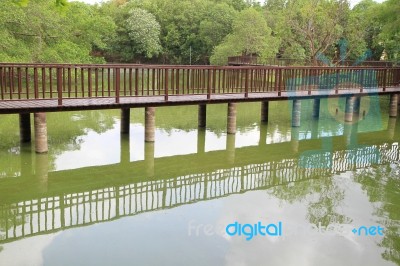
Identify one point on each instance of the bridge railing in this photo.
(64, 81)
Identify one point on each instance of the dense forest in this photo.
(196, 31)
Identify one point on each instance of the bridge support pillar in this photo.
(295, 136)
(25, 127)
(230, 147)
(394, 99)
(41, 145)
(314, 128)
(391, 127)
(296, 113)
(201, 140)
(357, 106)
(42, 170)
(125, 149)
(149, 158)
(231, 125)
(348, 113)
(263, 134)
(125, 120)
(264, 111)
(316, 108)
(202, 116)
(149, 124)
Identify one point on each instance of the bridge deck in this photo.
(51, 105)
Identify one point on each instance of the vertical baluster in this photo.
(51, 82)
(35, 82)
(26, 82)
(43, 82)
(83, 82)
(19, 82)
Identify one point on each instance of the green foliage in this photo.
(144, 32)
(39, 32)
(250, 35)
(196, 31)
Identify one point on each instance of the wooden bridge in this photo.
(45, 87)
(40, 88)
(55, 202)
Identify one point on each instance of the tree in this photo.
(250, 35)
(144, 32)
(316, 24)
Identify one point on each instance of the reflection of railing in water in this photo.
(50, 214)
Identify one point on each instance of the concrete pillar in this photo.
(314, 129)
(350, 132)
(316, 108)
(264, 111)
(295, 136)
(26, 160)
(125, 149)
(357, 106)
(25, 127)
(394, 99)
(348, 113)
(201, 140)
(231, 123)
(296, 113)
(263, 134)
(40, 133)
(230, 147)
(42, 170)
(125, 120)
(149, 158)
(149, 124)
(202, 116)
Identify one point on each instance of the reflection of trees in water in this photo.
(382, 185)
(323, 195)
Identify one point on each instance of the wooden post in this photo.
(264, 111)
(296, 113)
(231, 123)
(150, 124)
(202, 115)
(59, 86)
(25, 127)
(41, 145)
(125, 120)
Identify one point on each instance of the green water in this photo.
(101, 199)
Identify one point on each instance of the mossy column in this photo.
(40, 133)
(149, 124)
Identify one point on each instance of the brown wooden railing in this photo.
(65, 81)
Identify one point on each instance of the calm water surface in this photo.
(101, 199)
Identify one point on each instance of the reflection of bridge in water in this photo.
(73, 198)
